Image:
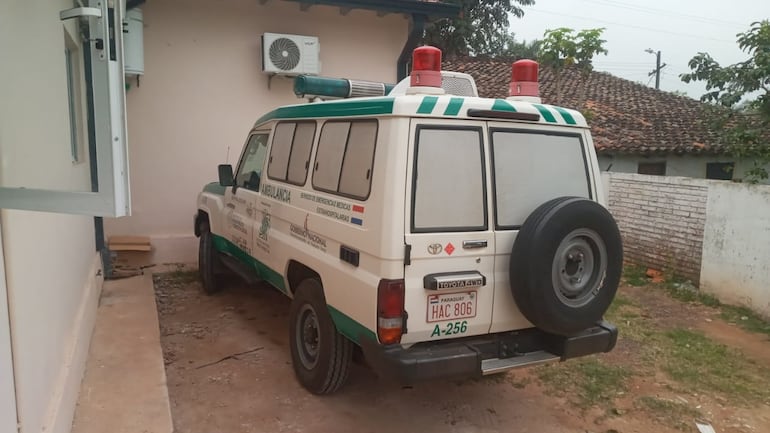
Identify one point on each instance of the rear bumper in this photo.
(476, 356)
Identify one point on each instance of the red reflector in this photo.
(390, 311)
(426, 67)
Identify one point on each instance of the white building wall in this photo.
(203, 89)
(50, 261)
(684, 166)
(715, 232)
(736, 245)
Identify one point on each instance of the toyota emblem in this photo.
(435, 249)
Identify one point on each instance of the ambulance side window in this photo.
(290, 153)
(345, 158)
(448, 190)
(252, 162)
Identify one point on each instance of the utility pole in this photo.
(658, 67)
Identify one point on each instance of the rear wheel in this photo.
(321, 356)
(208, 262)
(566, 265)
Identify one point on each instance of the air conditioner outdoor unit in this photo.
(290, 54)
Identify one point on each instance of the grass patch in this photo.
(618, 303)
(628, 317)
(669, 412)
(586, 382)
(634, 275)
(684, 291)
(700, 364)
(746, 319)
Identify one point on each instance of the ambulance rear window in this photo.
(449, 193)
(531, 168)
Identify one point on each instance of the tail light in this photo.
(390, 311)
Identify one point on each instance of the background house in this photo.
(636, 129)
(63, 149)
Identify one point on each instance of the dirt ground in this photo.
(228, 369)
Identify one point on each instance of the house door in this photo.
(8, 417)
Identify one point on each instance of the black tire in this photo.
(566, 264)
(320, 355)
(208, 262)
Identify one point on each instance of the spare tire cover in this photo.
(566, 264)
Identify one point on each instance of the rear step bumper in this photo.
(483, 355)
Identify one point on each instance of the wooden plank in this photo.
(129, 247)
(129, 240)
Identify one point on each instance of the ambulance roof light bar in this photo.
(426, 71)
(524, 82)
(324, 88)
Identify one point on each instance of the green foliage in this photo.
(508, 47)
(481, 28)
(744, 87)
(563, 47)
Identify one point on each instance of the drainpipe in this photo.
(416, 31)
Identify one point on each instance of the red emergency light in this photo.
(426, 67)
(524, 79)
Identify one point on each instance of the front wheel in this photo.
(207, 262)
(320, 355)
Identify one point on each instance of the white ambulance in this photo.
(441, 234)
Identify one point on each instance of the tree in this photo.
(563, 48)
(481, 28)
(510, 48)
(744, 89)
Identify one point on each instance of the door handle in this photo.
(469, 245)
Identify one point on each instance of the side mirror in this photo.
(226, 175)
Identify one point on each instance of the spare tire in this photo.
(566, 264)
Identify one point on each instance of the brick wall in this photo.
(661, 219)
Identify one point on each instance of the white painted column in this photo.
(7, 389)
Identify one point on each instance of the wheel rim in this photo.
(579, 267)
(308, 337)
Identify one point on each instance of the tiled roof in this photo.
(625, 117)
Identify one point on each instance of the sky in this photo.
(678, 28)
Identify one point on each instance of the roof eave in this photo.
(440, 9)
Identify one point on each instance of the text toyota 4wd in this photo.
(445, 235)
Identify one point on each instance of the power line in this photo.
(701, 37)
(654, 11)
(604, 62)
